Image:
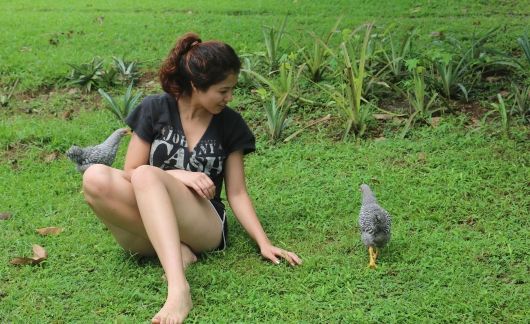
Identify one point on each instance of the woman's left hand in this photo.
(273, 253)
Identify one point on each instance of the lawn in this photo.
(458, 190)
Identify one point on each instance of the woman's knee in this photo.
(96, 182)
(144, 175)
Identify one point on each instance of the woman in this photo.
(185, 142)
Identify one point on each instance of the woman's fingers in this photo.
(294, 258)
(199, 191)
(290, 257)
(208, 189)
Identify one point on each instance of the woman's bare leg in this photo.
(169, 213)
(160, 198)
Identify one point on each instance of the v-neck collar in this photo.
(189, 149)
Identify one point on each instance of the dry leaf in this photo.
(422, 156)
(492, 79)
(51, 157)
(68, 114)
(21, 261)
(39, 255)
(383, 116)
(49, 230)
(5, 216)
(437, 34)
(435, 121)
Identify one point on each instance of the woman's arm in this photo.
(243, 209)
(137, 155)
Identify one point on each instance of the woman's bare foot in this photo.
(188, 257)
(176, 308)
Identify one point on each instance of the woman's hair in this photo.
(193, 62)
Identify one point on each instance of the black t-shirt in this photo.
(157, 121)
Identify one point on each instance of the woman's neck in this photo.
(189, 110)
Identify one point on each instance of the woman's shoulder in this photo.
(161, 99)
(229, 115)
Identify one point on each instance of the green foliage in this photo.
(421, 105)
(108, 78)
(272, 38)
(7, 93)
(525, 45)
(521, 104)
(87, 75)
(447, 255)
(503, 114)
(284, 86)
(447, 260)
(394, 55)
(460, 69)
(284, 91)
(127, 70)
(316, 59)
(348, 95)
(276, 118)
(246, 78)
(123, 106)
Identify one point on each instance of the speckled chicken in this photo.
(375, 224)
(103, 153)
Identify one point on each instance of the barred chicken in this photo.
(375, 224)
(103, 153)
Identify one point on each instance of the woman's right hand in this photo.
(198, 181)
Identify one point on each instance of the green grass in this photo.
(458, 192)
(459, 248)
(147, 31)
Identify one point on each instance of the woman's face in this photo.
(218, 95)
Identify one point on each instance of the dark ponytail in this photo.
(193, 62)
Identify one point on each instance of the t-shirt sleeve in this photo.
(240, 136)
(141, 120)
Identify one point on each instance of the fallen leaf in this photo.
(21, 261)
(39, 255)
(51, 157)
(383, 116)
(5, 216)
(68, 114)
(492, 79)
(437, 34)
(49, 230)
(435, 121)
(73, 91)
(422, 156)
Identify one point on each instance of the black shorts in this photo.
(220, 210)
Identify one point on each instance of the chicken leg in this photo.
(373, 256)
